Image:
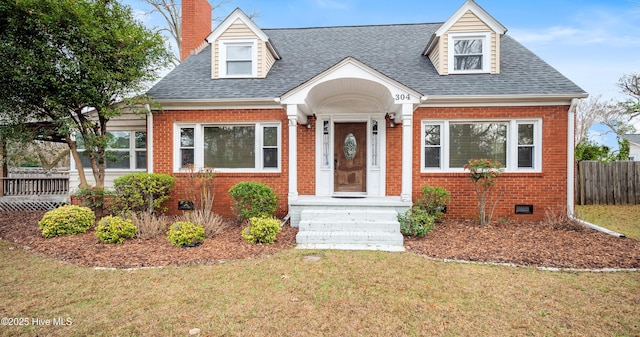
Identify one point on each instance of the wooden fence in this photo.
(615, 183)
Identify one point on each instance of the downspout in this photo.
(571, 157)
(571, 174)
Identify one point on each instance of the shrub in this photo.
(185, 234)
(253, 199)
(212, 223)
(66, 220)
(149, 225)
(143, 192)
(416, 222)
(484, 174)
(94, 198)
(261, 230)
(434, 200)
(114, 229)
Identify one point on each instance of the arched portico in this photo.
(351, 106)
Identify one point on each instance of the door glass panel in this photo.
(350, 146)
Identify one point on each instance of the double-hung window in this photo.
(448, 145)
(229, 147)
(126, 150)
(238, 58)
(469, 53)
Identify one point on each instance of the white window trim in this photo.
(486, 51)
(222, 52)
(132, 154)
(198, 152)
(511, 164)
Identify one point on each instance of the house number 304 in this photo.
(403, 97)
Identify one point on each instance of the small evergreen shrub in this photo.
(253, 199)
(262, 230)
(114, 229)
(66, 220)
(416, 222)
(143, 192)
(185, 234)
(434, 200)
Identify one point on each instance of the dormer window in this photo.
(238, 58)
(470, 53)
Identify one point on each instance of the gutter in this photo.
(596, 227)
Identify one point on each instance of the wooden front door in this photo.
(350, 157)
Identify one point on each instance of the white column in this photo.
(407, 151)
(292, 114)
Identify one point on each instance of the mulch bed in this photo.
(529, 244)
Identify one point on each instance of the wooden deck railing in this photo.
(35, 186)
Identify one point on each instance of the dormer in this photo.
(240, 49)
(467, 43)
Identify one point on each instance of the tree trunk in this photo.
(76, 158)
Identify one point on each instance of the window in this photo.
(448, 145)
(469, 53)
(477, 140)
(126, 150)
(187, 142)
(526, 145)
(432, 146)
(238, 58)
(242, 147)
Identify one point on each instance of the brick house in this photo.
(348, 123)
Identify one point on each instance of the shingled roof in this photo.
(393, 50)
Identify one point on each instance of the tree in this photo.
(172, 14)
(595, 110)
(74, 62)
(630, 85)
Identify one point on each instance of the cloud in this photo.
(611, 27)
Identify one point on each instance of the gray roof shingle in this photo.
(394, 50)
(633, 138)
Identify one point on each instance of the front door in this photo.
(350, 158)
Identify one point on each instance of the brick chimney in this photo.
(196, 25)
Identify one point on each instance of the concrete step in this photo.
(350, 240)
(350, 226)
(358, 214)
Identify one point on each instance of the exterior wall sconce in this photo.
(310, 121)
(391, 117)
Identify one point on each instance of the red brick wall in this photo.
(393, 184)
(196, 25)
(163, 126)
(307, 159)
(545, 191)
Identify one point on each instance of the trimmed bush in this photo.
(253, 199)
(416, 222)
(143, 192)
(114, 229)
(434, 200)
(185, 234)
(66, 220)
(261, 230)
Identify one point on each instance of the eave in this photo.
(218, 104)
(499, 100)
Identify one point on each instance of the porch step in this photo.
(350, 228)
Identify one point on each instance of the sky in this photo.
(592, 42)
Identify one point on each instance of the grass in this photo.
(341, 294)
(622, 219)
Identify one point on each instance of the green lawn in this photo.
(621, 219)
(341, 294)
